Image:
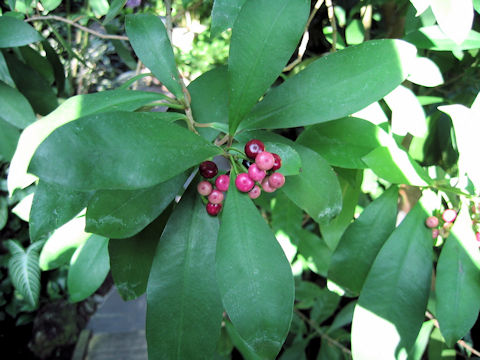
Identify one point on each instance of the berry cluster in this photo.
(433, 222)
(262, 170)
(214, 193)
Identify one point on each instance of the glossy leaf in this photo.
(433, 38)
(315, 252)
(99, 7)
(9, 136)
(323, 91)
(355, 32)
(89, 267)
(426, 73)
(37, 62)
(457, 287)
(58, 70)
(115, 7)
(50, 5)
(316, 189)
(62, 244)
(421, 343)
(393, 300)
(131, 258)
(4, 73)
(54, 206)
(224, 14)
(454, 17)
(264, 37)
(361, 242)
(73, 108)
(247, 352)
(15, 108)
(181, 289)
(254, 277)
(149, 40)
(118, 150)
(123, 213)
(325, 305)
(14, 32)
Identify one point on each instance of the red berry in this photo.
(449, 215)
(208, 169)
(255, 173)
(213, 209)
(253, 148)
(204, 188)
(267, 187)
(431, 222)
(435, 233)
(265, 160)
(276, 180)
(277, 164)
(222, 182)
(216, 197)
(255, 192)
(478, 236)
(244, 183)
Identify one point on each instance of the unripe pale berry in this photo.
(449, 215)
(213, 209)
(435, 233)
(277, 164)
(208, 169)
(253, 148)
(267, 187)
(265, 160)
(276, 180)
(255, 192)
(204, 188)
(216, 197)
(244, 183)
(431, 222)
(222, 182)
(255, 173)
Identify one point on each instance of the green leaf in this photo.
(433, 38)
(420, 5)
(89, 267)
(4, 73)
(131, 258)
(355, 32)
(9, 136)
(37, 62)
(361, 242)
(14, 32)
(421, 343)
(264, 37)
(125, 53)
(455, 17)
(115, 7)
(24, 271)
(323, 91)
(343, 318)
(181, 289)
(123, 213)
(99, 7)
(118, 150)
(438, 349)
(396, 166)
(457, 287)
(3, 212)
(316, 190)
(247, 352)
(32, 85)
(391, 307)
(254, 277)
(58, 70)
(15, 108)
(224, 14)
(62, 244)
(325, 305)
(50, 5)
(149, 40)
(73, 108)
(426, 73)
(53, 206)
(315, 251)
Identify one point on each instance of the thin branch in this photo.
(333, 22)
(168, 6)
(78, 26)
(367, 20)
(305, 38)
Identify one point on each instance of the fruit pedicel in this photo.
(259, 175)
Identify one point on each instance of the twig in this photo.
(305, 38)
(367, 20)
(83, 28)
(168, 6)
(333, 22)
(322, 334)
(222, 141)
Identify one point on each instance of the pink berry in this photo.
(216, 197)
(277, 163)
(244, 183)
(478, 236)
(208, 169)
(435, 233)
(255, 192)
(276, 180)
(204, 188)
(255, 173)
(265, 160)
(213, 209)
(431, 222)
(449, 215)
(222, 182)
(267, 187)
(253, 148)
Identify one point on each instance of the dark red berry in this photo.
(208, 169)
(244, 183)
(431, 222)
(204, 188)
(253, 148)
(277, 164)
(222, 182)
(213, 209)
(449, 215)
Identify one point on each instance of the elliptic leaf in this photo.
(433, 38)
(420, 5)
(264, 37)
(99, 7)
(224, 14)
(115, 7)
(184, 310)
(9, 136)
(426, 73)
(454, 17)
(254, 276)
(58, 70)
(37, 62)
(315, 252)
(15, 32)
(50, 5)
(15, 108)
(422, 341)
